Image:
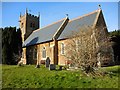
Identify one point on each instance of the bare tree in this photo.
(88, 48)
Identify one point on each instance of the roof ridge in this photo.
(61, 28)
(85, 15)
(69, 20)
(49, 24)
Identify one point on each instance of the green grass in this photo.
(30, 77)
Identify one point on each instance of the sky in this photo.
(51, 12)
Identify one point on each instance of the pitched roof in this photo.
(46, 34)
(79, 23)
(43, 34)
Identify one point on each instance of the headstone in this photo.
(47, 62)
(60, 67)
(37, 66)
(52, 67)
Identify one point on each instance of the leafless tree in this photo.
(17, 58)
(88, 48)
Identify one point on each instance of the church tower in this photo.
(28, 23)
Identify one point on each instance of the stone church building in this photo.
(49, 41)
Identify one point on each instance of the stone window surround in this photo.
(35, 54)
(62, 48)
(44, 52)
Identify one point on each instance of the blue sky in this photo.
(53, 11)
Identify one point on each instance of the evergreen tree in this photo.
(115, 38)
(19, 41)
(1, 45)
(11, 45)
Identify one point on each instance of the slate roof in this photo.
(46, 34)
(76, 24)
(43, 34)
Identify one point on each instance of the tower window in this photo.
(33, 25)
(22, 25)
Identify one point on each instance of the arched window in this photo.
(43, 52)
(62, 48)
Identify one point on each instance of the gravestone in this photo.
(37, 66)
(52, 67)
(60, 67)
(47, 62)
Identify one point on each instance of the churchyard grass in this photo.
(28, 76)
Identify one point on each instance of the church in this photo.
(49, 41)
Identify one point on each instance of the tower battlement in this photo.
(28, 14)
(28, 23)
(33, 16)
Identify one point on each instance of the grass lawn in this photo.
(30, 77)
